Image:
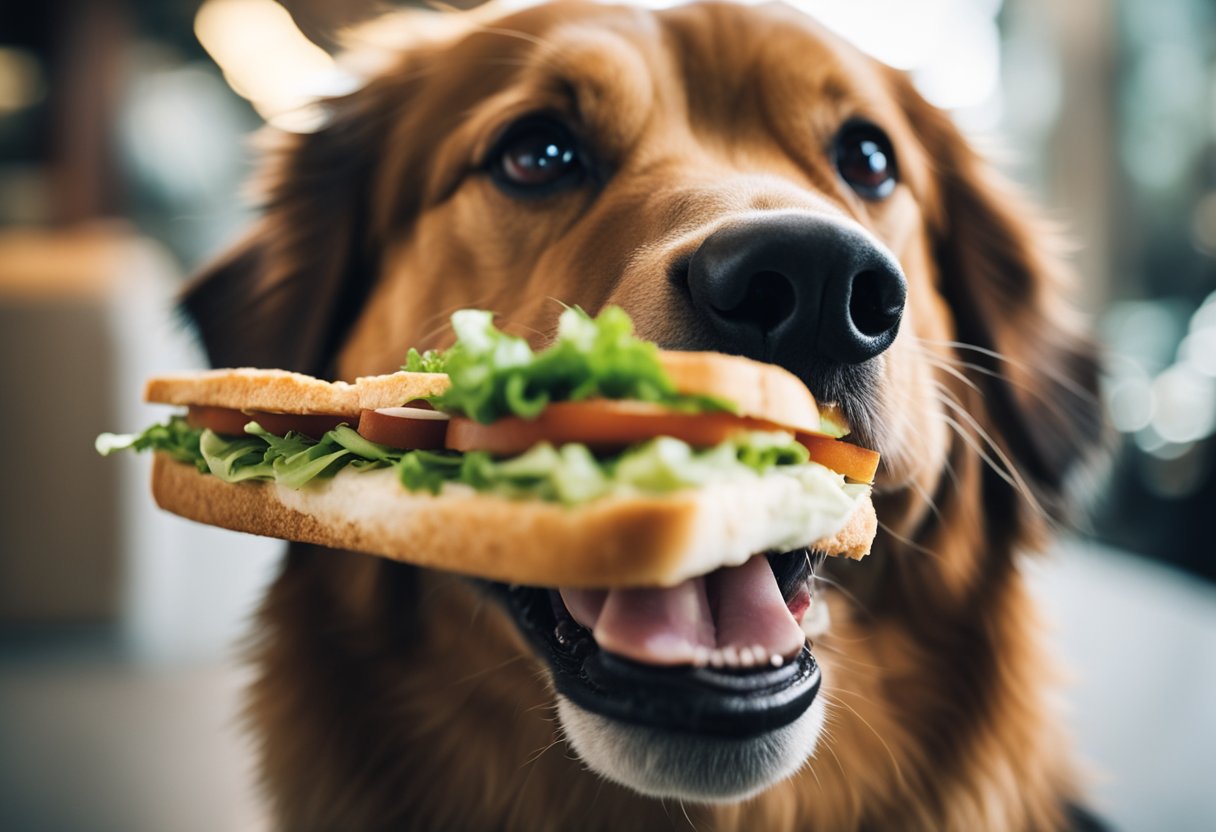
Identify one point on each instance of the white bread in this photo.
(279, 391)
(614, 541)
(762, 391)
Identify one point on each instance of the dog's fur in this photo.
(390, 698)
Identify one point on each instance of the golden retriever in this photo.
(720, 172)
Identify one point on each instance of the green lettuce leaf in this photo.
(431, 361)
(175, 437)
(236, 460)
(495, 374)
(570, 474)
(293, 460)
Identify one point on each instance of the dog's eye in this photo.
(536, 156)
(866, 160)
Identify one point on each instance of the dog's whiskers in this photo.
(909, 543)
(527, 37)
(1065, 410)
(536, 755)
(946, 366)
(473, 677)
(895, 764)
(845, 593)
(844, 657)
(1065, 381)
(437, 323)
(1006, 470)
(830, 738)
(684, 811)
(1013, 481)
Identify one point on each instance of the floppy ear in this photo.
(286, 295)
(1001, 272)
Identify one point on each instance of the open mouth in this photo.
(722, 654)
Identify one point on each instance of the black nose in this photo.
(792, 287)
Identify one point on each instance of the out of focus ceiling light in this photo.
(1129, 400)
(1198, 348)
(21, 81)
(1185, 404)
(266, 59)
(950, 47)
(1203, 223)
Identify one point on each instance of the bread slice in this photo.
(395, 389)
(614, 541)
(762, 391)
(279, 391)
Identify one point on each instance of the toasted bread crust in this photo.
(611, 542)
(280, 391)
(855, 538)
(395, 389)
(763, 391)
(759, 390)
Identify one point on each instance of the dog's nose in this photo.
(789, 287)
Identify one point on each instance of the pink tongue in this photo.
(671, 626)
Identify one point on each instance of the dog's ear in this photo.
(1021, 341)
(285, 296)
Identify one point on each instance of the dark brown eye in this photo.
(536, 156)
(866, 160)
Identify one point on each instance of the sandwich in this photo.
(600, 461)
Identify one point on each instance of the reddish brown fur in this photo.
(392, 699)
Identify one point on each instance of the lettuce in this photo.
(570, 474)
(175, 437)
(293, 460)
(431, 361)
(494, 374)
(236, 460)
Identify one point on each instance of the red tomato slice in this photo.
(231, 422)
(856, 463)
(601, 425)
(399, 429)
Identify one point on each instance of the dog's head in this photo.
(738, 180)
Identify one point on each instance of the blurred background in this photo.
(125, 132)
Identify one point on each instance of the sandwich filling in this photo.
(597, 414)
(570, 474)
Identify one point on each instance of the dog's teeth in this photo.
(735, 657)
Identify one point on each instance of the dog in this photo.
(707, 168)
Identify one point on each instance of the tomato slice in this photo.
(231, 422)
(856, 463)
(601, 425)
(397, 427)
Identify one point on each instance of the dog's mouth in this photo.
(723, 654)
